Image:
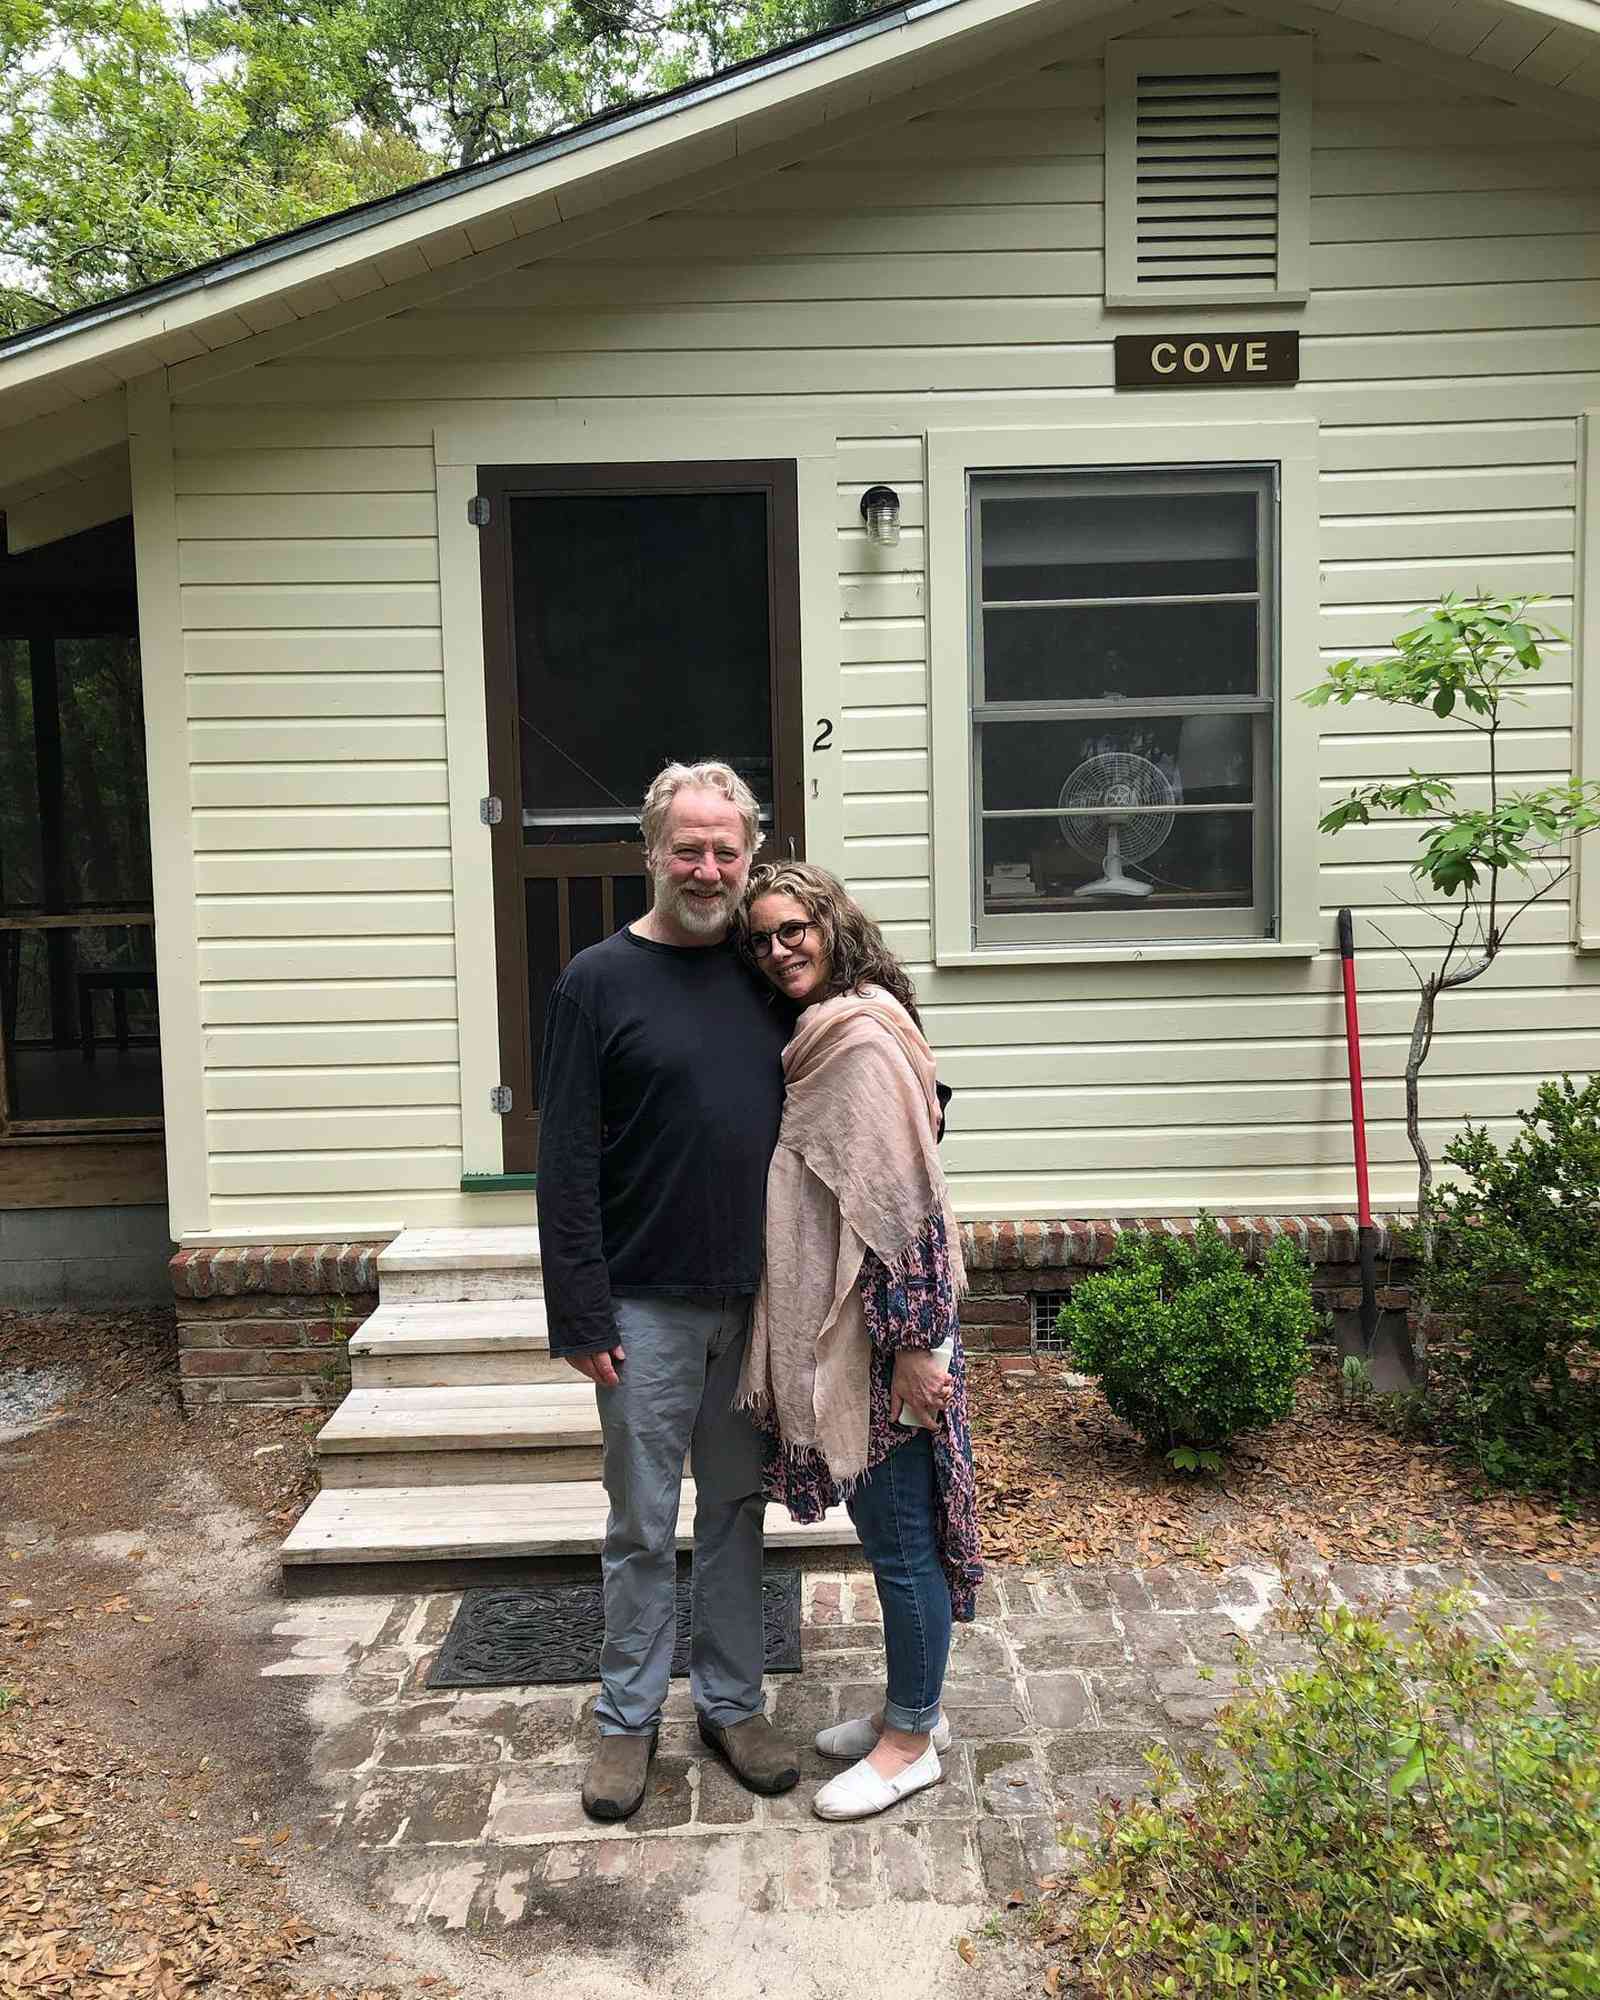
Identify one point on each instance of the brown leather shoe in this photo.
(758, 1754)
(614, 1783)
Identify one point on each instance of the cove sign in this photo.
(1206, 361)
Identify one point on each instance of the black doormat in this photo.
(550, 1633)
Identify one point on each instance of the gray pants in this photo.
(675, 1396)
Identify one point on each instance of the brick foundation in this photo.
(271, 1324)
(1008, 1262)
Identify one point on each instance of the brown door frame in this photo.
(514, 863)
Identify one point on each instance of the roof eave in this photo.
(84, 354)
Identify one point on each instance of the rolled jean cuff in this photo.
(724, 1715)
(914, 1721)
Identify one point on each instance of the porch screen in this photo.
(78, 1030)
(1124, 669)
(641, 636)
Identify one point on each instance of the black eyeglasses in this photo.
(788, 935)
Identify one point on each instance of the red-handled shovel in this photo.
(1358, 1124)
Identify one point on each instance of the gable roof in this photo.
(1541, 51)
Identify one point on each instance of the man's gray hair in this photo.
(709, 776)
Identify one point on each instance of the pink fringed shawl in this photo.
(856, 1169)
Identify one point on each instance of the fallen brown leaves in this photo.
(1060, 1479)
(87, 1918)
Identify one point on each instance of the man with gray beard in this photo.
(661, 1089)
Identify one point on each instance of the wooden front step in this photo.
(427, 1344)
(459, 1264)
(480, 1434)
(468, 1467)
(467, 1522)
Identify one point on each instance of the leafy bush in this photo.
(1190, 1346)
(1408, 1816)
(1517, 1278)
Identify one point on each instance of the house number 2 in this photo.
(824, 737)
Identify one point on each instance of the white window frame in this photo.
(1290, 55)
(1585, 669)
(953, 458)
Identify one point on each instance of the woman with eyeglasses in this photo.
(854, 1363)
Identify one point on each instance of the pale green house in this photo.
(1195, 345)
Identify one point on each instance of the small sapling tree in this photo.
(1481, 868)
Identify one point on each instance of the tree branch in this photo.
(1557, 877)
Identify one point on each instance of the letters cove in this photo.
(1199, 357)
(1213, 361)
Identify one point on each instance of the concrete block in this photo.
(104, 1256)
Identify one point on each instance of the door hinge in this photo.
(478, 510)
(500, 1099)
(490, 810)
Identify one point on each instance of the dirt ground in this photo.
(153, 1835)
(158, 1834)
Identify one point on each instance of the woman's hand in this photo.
(922, 1384)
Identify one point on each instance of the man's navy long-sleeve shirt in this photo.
(660, 1093)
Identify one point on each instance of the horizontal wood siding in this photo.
(322, 845)
(950, 265)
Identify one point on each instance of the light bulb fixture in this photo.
(880, 509)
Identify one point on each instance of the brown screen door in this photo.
(632, 614)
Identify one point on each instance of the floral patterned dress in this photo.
(914, 1308)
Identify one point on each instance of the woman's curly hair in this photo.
(857, 954)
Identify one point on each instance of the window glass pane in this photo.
(21, 866)
(1135, 652)
(78, 1008)
(1191, 760)
(1099, 544)
(1199, 861)
(641, 635)
(1106, 590)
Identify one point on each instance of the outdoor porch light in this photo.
(880, 509)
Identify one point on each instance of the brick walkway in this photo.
(461, 1809)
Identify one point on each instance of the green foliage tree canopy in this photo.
(136, 142)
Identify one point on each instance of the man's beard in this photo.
(701, 916)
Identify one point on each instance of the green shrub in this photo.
(1190, 1346)
(1406, 1817)
(1517, 1279)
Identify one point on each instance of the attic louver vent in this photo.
(1205, 171)
(1206, 177)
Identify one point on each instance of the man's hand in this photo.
(599, 1368)
(922, 1384)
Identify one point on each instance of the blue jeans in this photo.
(893, 1510)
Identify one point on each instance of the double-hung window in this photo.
(1124, 662)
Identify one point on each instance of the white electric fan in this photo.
(1097, 818)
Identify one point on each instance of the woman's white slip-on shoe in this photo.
(860, 1737)
(860, 1792)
